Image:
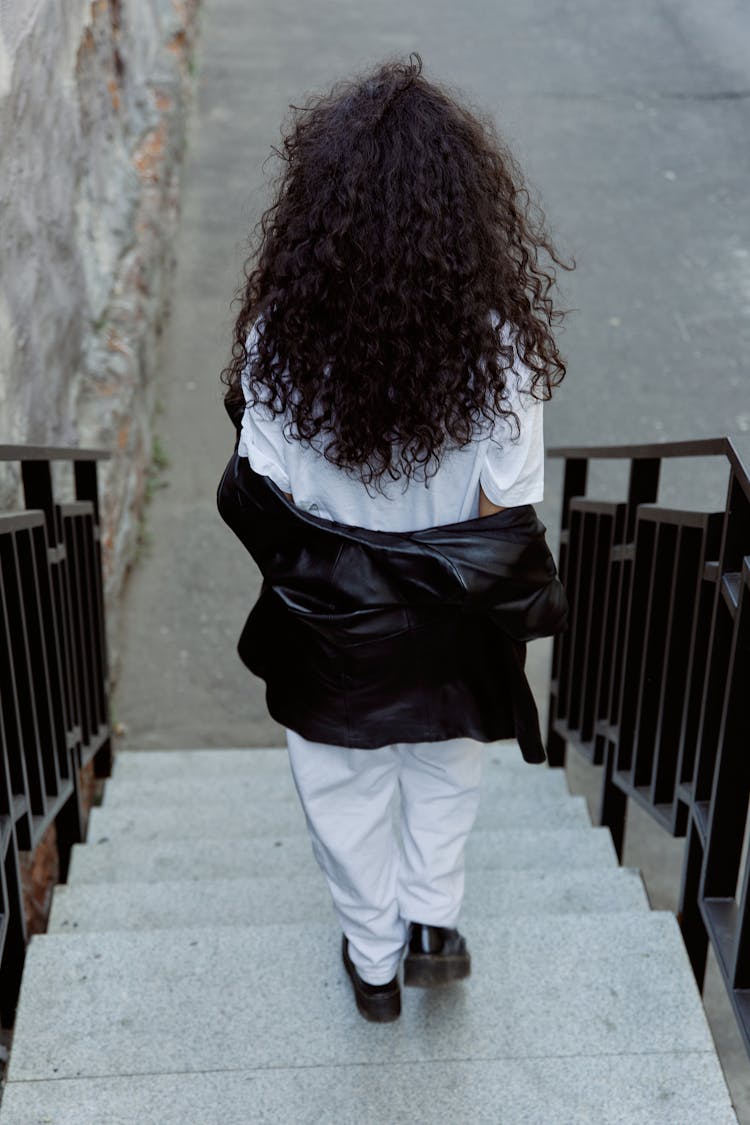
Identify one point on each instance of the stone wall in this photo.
(93, 102)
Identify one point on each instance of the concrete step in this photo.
(121, 1005)
(500, 779)
(670, 1088)
(263, 901)
(235, 818)
(154, 764)
(523, 849)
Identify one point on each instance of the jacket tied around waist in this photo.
(367, 638)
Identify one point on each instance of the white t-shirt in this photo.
(509, 467)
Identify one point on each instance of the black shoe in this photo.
(379, 1003)
(435, 956)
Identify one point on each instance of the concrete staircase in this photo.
(191, 972)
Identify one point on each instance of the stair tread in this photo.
(125, 1002)
(237, 818)
(671, 1088)
(167, 764)
(262, 900)
(499, 778)
(283, 855)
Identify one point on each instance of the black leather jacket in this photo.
(367, 638)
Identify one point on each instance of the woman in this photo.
(391, 356)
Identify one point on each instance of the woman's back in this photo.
(508, 465)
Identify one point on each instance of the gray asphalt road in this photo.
(632, 123)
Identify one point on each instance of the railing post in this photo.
(574, 484)
(643, 488)
(37, 492)
(13, 950)
(613, 802)
(87, 489)
(70, 827)
(692, 926)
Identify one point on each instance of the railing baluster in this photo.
(597, 615)
(613, 638)
(654, 666)
(48, 617)
(14, 937)
(24, 681)
(574, 484)
(10, 713)
(731, 786)
(38, 663)
(633, 668)
(690, 917)
(567, 681)
(76, 595)
(581, 638)
(683, 608)
(643, 488)
(698, 660)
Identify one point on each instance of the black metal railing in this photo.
(53, 677)
(652, 681)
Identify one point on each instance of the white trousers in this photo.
(380, 883)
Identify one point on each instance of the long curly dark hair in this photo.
(401, 248)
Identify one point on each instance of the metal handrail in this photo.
(51, 453)
(659, 450)
(54, 706)
(650, 680)
(700, 447)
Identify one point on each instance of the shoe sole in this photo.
(426, 970)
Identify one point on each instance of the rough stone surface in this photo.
(149, 767)
(93, 99)
(263, 900)
(581, 1005)
(237, 818)
(670, 1088)
(571, 985)
(524, 782)
(522, 849)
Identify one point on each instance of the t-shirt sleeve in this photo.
(263, 443)
(262, 438)
(513, 469)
